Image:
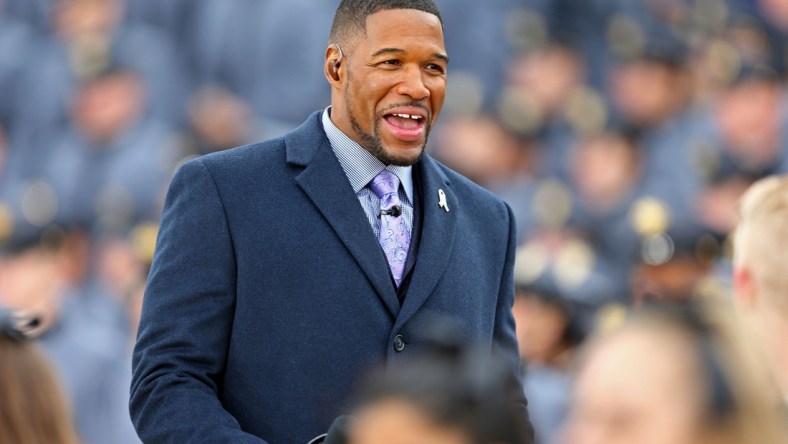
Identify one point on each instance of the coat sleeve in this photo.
(187, 316)
(505, 337)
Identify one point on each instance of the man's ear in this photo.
(334, 62)
(744, 287)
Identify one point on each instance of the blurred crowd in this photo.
(621, 132)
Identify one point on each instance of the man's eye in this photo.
(436, 68)
(392, 62)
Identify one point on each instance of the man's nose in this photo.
(412, 84)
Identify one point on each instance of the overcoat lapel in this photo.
(437, 238)
(326, 185)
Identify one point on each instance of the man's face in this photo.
(394, 85)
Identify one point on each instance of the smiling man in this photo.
(394, 80)
(285, 269)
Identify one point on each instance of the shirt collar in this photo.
(360, 165)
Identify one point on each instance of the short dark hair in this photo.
(458, 384)
(351, 15)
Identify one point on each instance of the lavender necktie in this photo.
(394, 236)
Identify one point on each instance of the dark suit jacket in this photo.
(269, 297)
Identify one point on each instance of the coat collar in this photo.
(325, 183)
(437, 237)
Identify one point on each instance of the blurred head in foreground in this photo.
(759, 276)
(448, 394)
(33, 409)
(672, 374)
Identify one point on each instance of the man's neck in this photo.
(772, 328)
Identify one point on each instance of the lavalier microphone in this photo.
(395, 211)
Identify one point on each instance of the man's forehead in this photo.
(390, 26)
(409, 19)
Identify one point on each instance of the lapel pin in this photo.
(442, 200)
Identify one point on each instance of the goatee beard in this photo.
(373, 144)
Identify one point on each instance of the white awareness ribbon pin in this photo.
(442, 200)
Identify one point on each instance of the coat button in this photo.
(399, 343)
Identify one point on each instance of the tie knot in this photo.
(384, 184)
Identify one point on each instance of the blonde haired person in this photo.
(760, 274)
(673, 374)
(33, 409)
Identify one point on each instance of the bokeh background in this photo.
(621, 132)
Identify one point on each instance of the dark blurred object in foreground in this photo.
(449, 393)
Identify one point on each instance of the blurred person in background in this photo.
(606, 176)
(734, 136)
(748, 141)
(86, 125)
(549, 333)
(676, 254)
(219, 119)
(673, 375)
(606, 170)
(650, 86)
(562, 282)
(86, 37)
(112, 163)
(235, 53)
(651, 93)
(759, 275)
(581, 226)
(476, 33)
(750, 119)
(40, 274)
(122, 260)
(547, 77)
(33, 407)
(547, 100)
(483, 151)
(448, 392)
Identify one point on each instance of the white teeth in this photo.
(408, 116)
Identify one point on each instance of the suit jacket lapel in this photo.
(324, 181)
(437, 238)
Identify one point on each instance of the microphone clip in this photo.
(395, 211)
